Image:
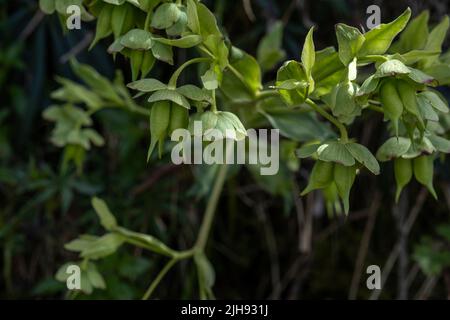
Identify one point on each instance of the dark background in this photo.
(257, 246)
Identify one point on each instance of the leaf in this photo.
(270, 51)
(207, 21)
(95, 278)
(437, 103)
(307, 150)
(247, 82)
(368, 86)
(137, 39)
(379, 39)
(350, 41)
(414, 56)
(80, 244)
(144, 241)
(292, 71)
(172, 95)
(101, 85)
(165, 16)
(364, 156)
(290, 84)
(426, 109)
(193, 21)
(415, 34)
(441, 144)
(298, 126)
(103, 28)
(391, 68)
(393, 148)
(107, 219)
(103, 246)
(335, 152)
(327, 72)
(194, 93)
(147, 85)
(308, 53)
(163, 52)
(435, 41)
(421, 77)
(188, 41)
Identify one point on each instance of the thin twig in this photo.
(364, 246)
(387, 268)
(79, 47)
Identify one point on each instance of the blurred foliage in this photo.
(44, 198)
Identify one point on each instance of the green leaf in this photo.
(308, 53)
(426, 109)
(270, 51)
(393, 148)
(391, 68)
(379, 39)
(364, 156)
(350, 41)
(293, 71)
(137, 39)
(163, 52)
(298, 126)
(107, 219)
(327, 72)
(193, 21)
(144, 241)
(415, 35)
(103, 246)
(207, 21)
(244, 81)
(188, 41)
(103, 28)
(172, 95)
(435, 100)
(441, 144)
(95, 278)
(307, 150)
(194, 93)
(335, 152)
(421, 77)
(147, 85)
(435, 40)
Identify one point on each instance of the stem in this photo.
(159, 277)
(208, 218)
(173, 80)
(329, 117)
(214, 103)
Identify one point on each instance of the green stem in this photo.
(329, 117)
(158, 278)
(214, 103)
(173, 80)
(208, 218)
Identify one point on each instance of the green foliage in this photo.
(332, 84)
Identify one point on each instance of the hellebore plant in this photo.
(367, 73)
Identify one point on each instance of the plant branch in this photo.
(329, 117)
(158, 278)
